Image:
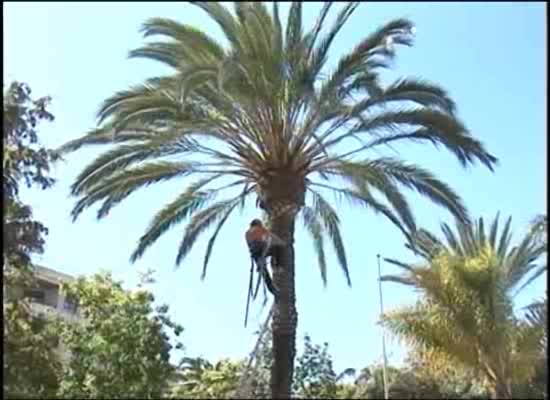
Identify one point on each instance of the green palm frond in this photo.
(365, 199)
(105, 135)
(421, 92)
(397, 279)
(188, 202)
(210, 246)
(111, 162)
(329, 218)
(223, 18)
(114, 189)
(202, 220)
(428, 124)
(191, 42)
(361, 176)
(379, 171)
(315, 229)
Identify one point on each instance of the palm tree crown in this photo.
(264, 112)
(466, 312)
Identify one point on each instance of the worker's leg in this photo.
(268, 281)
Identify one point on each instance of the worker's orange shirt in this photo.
(256, 233)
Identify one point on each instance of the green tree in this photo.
(29, 363)
(24, 160)
(31, 367)
(314, 376)
(466, 316)
(199, 379)
(265, 116)
(122, 347)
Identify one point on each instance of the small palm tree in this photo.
(265, 114)
(466, 314)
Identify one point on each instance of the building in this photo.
(46, 297)
(47, 300)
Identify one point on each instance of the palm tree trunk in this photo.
(502, 390)
(285, 317)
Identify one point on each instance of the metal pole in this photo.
(385, 376)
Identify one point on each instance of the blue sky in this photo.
(489, 56)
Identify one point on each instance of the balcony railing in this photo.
(46, 310)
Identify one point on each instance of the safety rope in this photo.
(241, 392)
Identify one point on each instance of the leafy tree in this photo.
(199, 379)
(31, 366)
(268, 119)
(29, 363)
(24, 159)
(122, 348)
(466, 314)
(314, 376)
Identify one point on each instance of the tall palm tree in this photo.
(264, 112)
(466, 313)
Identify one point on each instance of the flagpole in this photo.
(385, 376)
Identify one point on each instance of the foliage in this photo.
(121, 349)
(314, 376)
(29, 363)
(465, 316)
(23, 160)
(31, 367)
(199, 379)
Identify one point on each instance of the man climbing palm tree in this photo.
(263, 110)
(262, 244)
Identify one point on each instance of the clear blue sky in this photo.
(490, 57)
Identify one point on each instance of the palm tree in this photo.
(466, 315)
(264, 116)
(539, 228)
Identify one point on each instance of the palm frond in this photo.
(187, 203)
(191, 40)
(428, 124)
(364, 198)
(201, 221)
(315, 229)
(105, 135)
(319, 54)
(409, 175)
(116, 188)
(210, 246)
(329, 218)
(418, 91)
(223, 18)
(111, 162)
(398, 279)
(361, 175)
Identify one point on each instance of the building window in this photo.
(36, 295)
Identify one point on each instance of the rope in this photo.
(250, 285)
(243, 381)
